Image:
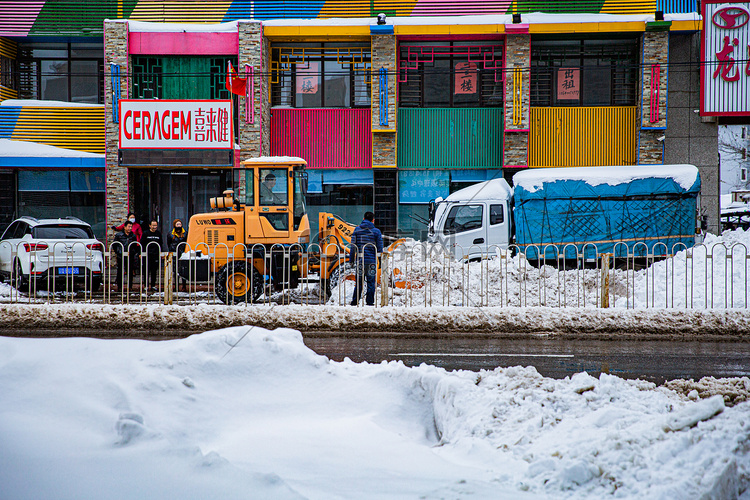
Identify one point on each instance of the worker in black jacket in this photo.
(152, 243)
(125, 242)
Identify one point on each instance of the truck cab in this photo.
(475, 221)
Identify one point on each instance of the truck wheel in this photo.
(337, 275)
(235, 283)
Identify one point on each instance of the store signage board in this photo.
(725, 74)
(176, 124)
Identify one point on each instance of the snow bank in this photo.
(248, 413)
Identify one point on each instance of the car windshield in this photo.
(62, 232)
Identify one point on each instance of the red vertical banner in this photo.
(568, 84)
(308, 78)
(466, 78)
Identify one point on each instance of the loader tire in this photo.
(237, 282)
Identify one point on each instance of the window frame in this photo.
(549, 54)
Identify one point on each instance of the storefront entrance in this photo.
(175, 194)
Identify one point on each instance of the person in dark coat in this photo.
(152, 243)
(176, 241)
(367, 244)
(125, 264)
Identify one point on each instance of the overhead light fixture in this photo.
(381, 18)
(659, 15)
(516, 18)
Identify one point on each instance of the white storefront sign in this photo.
(164, 124)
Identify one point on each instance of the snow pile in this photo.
(733, 390)
(249, 413)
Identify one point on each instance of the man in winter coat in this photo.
(122, 245)
(367, 240)
(151, 241)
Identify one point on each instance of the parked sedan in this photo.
(51, 253)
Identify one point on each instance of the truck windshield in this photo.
(300, 191)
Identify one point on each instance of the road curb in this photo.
(171, 321)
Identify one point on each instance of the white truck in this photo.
(573, 211)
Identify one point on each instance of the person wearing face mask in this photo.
(136, 227)
(176, 243)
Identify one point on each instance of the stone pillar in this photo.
(655, 53)
(254, 126)
(384, 134)
(517, 80)
(117, 203)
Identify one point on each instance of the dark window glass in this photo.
(72, 72)
(8, 234)
(496, 214)
(463, 218)
(315, 75)
(62, 232)
(584, 72)
(450, 74)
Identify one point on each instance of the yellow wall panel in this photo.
(79, 128)
(591, 136)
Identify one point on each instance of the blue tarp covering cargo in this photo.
(606, 209)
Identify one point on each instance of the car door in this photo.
(498, 230)
(465, 230)
(7, 247)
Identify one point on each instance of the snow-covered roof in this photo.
(533, 179)
(495, 189)
(275, 159)
(23, 149)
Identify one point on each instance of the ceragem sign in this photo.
(163, 124)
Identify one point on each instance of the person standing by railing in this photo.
(176, 242)
(152, 242)
(125, 265)
(367, 239)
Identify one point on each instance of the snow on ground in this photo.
(249, 413)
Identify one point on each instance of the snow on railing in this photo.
(409, 274)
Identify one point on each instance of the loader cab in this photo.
(272, 191)
(475, 221)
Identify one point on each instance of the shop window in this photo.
(72, 72)
(584, 72)
(320, 75)
(450, 74)
(180, 77)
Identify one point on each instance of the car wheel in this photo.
(96, 284)
(19, 282)
(236, 283)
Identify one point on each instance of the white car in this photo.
(51, 253)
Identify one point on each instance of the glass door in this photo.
(173, 199)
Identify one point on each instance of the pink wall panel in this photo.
(325, 138)
(192, 44)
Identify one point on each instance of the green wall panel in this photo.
(450, 137)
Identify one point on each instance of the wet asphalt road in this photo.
(655, 361)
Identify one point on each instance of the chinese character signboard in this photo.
(421, 186)
(308, 78)
(725, 76)
(168, 124)
(466, 78)
(568, 84)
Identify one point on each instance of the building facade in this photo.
(389, 113)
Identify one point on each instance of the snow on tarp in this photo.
(602, 206)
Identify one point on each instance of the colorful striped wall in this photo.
(592, 136)
(325, 138)
(80, 128)
(86, 17)
(450, 137)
